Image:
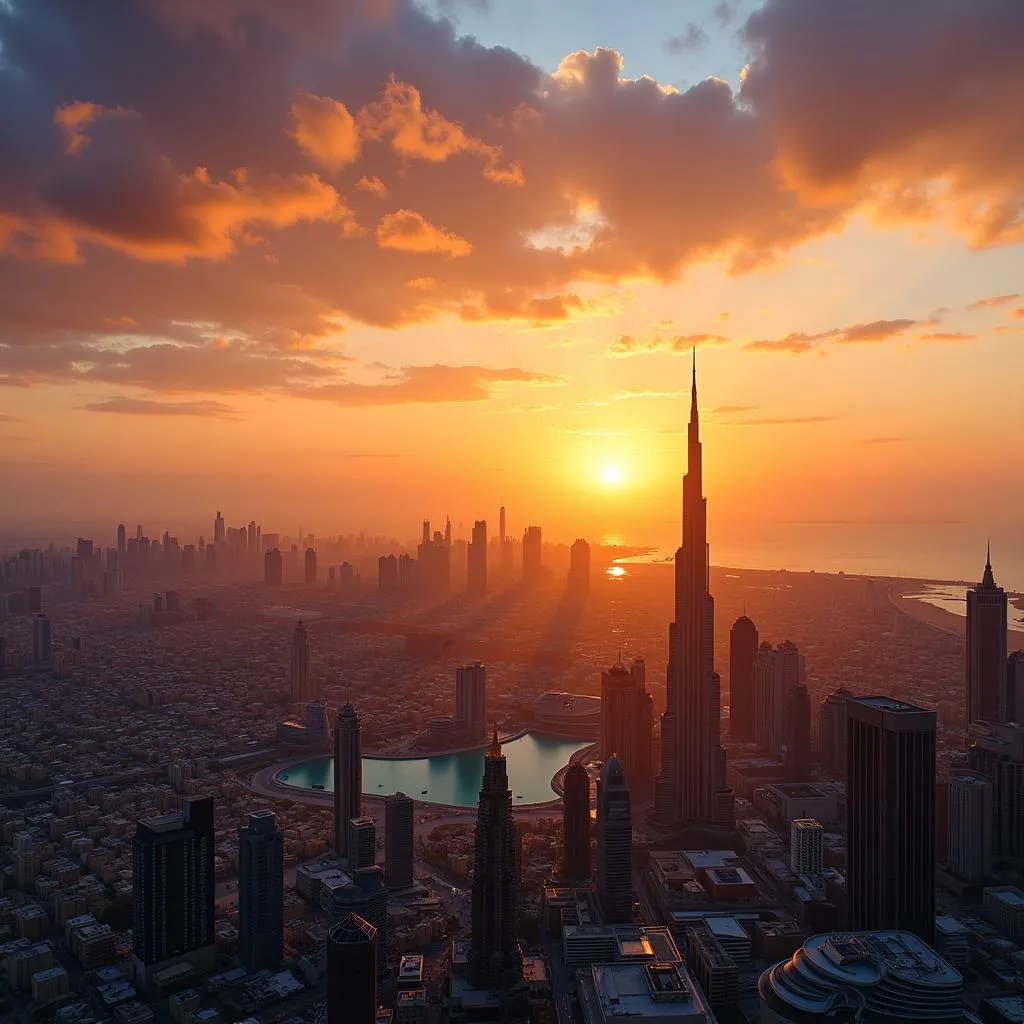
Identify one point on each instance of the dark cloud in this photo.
(874, 331)
(150, 407)
(692, 38)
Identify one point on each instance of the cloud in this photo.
(992, 302)
(799, 342)
(947, 336)
(373, 185)
(325, 130)
(725, 410)
(73, 117)
(7, 418)
(149, 407)
(1018, 313)
(691, 39)
(408, 231)
(781, 421)
(627, 345)
(876, 330)
(795, 343)
(724, 11)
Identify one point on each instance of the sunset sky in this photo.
(348, 264)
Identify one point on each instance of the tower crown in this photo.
(495, 750)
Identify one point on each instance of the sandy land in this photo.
(948, 622)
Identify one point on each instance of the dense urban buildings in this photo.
(627, 716)
(776, 671)
(890, 816)
(798, 735)
(476, 566)
(970, 827)
(471, 699)
(987, 697)
(614, 844)
(261, 892)
(399, 828)
(298, 679)
(576, 822)
(742, 651)
(348, 776)
(352, 972)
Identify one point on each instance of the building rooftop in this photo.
(1008, 894)
(646, 991)
(889, 704)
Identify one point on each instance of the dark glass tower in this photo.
(743, 642)
(890, 816)
(352, 972)
(576, 822)
(261, 892)
(614, 844)
(495, 961)
(798, 739)
(348, 776)
(398, 840)
(987, 697)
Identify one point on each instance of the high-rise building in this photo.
(122, 539)
(506, 545)
(476, 559)
(970, 827)
(576, 822)
(614, 844)
(352, 972)
(806, 851)
(348, 776)
(273, 568)
(495, 961)
(987, 699)
(41, 641)
(471, 698)
(776, 672)
(261, 892)
(362, 843)
(173, 888)
(299, 674)
(691, 785)
(361, 892)
(310, 566)
(1015, 686)
(627, 714)
(399, 824)
(532, 548)
(742, 651)
(218, 529)
(798, 739)
(997, 752)
(832, 731)
(579, 566)
(890, 816)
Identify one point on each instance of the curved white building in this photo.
(572, 714)
(862, 977)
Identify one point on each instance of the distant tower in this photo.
(348, 776)
(471, 698)
(310, 566)
(362, 843)
(970, 827)
(627, 719)
(122, 539)
(299, 674)
(261, 892)
(890, 816)
(501, 525)
(614, 844)
(997, 752)
(218, 529)
(798, 740)
(506, 545)
(832, 731)
(399, 823)
(476, 566)
(579, 566)
(987, 697)
(532, 549)
(41, 641)
(742, 652)
(352, 972)
(805, 847)
(448, 532)
(776, 672)
(576, 822)
(273, 568)
(495, 961)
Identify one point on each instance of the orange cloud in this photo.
(373, 185)
(325, 130)
(876, 330)
(627, 345)
(992, 302)
(408, 231)
(795, 343)
(73, 117)
(149, 407)
(947, 336)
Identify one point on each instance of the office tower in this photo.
(531, 554)
(361, 891)
(832, 731)
(970, 827)
(1015, 686)
(506, 545)
(806, 853)
(273, 568)
(41, 641)
(261, 892)
(576, 822)
(742, 651)
(987, 699)
(310, 566)
(579, 566)
(447, 532)
(388, 577)
(399, 826)
(173, 887)
(776, 672)
(798, 741)
(476, 564)
(890, 816)
(252, 538)
(627, 718)
(690, 789)
(614, 844)
(352, 972)
(494, 960)
(426, 531)
(471, 698)
(298, 676)
(362, 843)
(122, 539)
(997, 752)
(501, 525)
(348, 776)
(218, 529)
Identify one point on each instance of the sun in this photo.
(611, 475)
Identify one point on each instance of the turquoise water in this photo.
(450, 778)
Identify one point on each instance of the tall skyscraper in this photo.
(273, 568)
(361, 891)
(261, 892)
(690, 789)
(173, 888)
(352, 972)
(1015, 686)
(987, 698)
(742, 651)
(579, 566)
(495, 960)
(310, 566)
(476, 559)
(122, 539)
(890, 816)
(776, 672)
(41, 640)
(218, 529)
(576, 822)
(614, 844)
(806, 851)
(399, 826)
(506, 545)
(627, 718)
(299, 673)
(798, 735)
(471, 698)
(997, 752)
(362, 843)
(348, 776)
(970, 827)
(832, 731)
(532, 549)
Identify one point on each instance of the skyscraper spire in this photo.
(693, 392)
(988, 580)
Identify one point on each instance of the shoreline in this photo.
(939, 618)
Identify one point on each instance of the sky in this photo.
(353, 263)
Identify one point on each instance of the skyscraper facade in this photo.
(362, 842)
(776, 672)
(742, 651)
(298, 676)
(579, 566)
(261, 892)
(310, 565)
(352, 972)
(122, 539)
(532, 549)
(348, 776)
(890, 816)
(273, 568)
(471, 698)
(627, 713)
(476, 559)
(361, 891)
(987, 698)
(1015, 686)
(399, 823)
(690, 788)
(495, 961)
(614, 844)
(798, 735)
(832, 731)
(576, 822)
(218, 529)
(997, 752)
(505, 545)
(806, 850)
(41, 640)
(970, 827)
